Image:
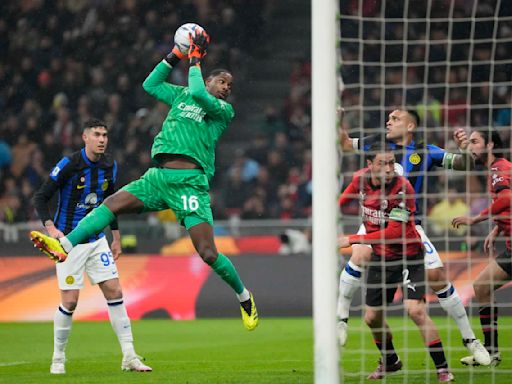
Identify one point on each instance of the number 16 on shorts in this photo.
(190, 203)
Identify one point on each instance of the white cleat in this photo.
(480, 354)
(135, 364)
(58, 366)
(471, 361)
(342, 327)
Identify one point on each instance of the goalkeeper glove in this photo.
(174, 57)
(198, 46)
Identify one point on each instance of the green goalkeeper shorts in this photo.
(185, 191)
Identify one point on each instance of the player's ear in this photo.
(490, 146)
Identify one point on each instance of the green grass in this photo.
(220, 351)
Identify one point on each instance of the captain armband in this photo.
(448, 160)
(398, 214)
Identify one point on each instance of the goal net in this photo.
(450, 61)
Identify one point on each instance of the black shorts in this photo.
(408, 273)
(504, 260)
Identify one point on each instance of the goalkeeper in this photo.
(185, 152)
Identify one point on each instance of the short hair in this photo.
(91, 123)
(377, 147)
(492, 135)
(217, 72)
(414, 115)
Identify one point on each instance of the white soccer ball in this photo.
(181, 37)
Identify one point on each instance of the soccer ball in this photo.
(181, 36)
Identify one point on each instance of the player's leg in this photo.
(201, 235)
(350, 281)
(417, 311)
(70, 280)
(449, 299)
(102, 270)
(496, 274)
(414, 289)
(380, 292)
(130, 199)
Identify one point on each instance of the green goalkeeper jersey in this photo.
(196, 120)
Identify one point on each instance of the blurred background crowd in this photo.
(64, 61)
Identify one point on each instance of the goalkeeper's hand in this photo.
(198, 46)
(175, 56)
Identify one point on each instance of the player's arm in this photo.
(114, 225)
(155, 83)
(459, 161)
(58, 176)
(216, 108)
(501, 203)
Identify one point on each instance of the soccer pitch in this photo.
(221, 351)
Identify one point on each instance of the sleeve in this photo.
(157, 87)
(364, 144)
(216, 108)
(440, 158)
(114, 225)
(500, 180)
(502, 203)
(350, 193)
(58, 177)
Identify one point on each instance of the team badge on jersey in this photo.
(415, 159)
(70, 279)
(384, 205)
(104, 186)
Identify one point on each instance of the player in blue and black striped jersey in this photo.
(83, 180)
(414, 159)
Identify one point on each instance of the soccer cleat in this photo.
(135, 364)
(342, 332)
(58, 366)
(480, 354)
(249, 313)
(471, 361)
(383, 369)
(49, 246)
(444, 375)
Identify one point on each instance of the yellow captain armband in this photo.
(398, 214)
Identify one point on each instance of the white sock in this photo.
(121, 325)
(66, 244)
(62, 320)
(350, 281)
(451, 303)
(244, 296)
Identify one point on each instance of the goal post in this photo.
(325, 160)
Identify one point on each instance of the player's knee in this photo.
(417, 313)
(69, 305)
(482, 292)
(371, 319)
(208, 253)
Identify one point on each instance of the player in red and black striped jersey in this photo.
(388, 205)
(487, 149)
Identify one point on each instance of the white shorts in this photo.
(432, 258)
(93, 258)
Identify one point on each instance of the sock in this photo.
(350, 282)
(452, 304)
(227, 272)
(489, 322)
(435, 348)
(62, 320)
(121, 325)
(387, 350)
(244, 296)
(90, 225)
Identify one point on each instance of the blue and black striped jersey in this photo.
(412, 161)
(82, 186)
